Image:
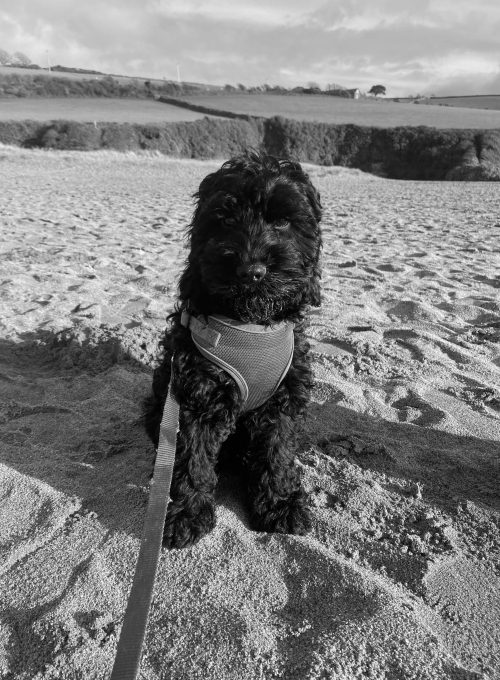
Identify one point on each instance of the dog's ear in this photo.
(312, 295)
(205, 190)
(233, 173)
(186, 284)
(314, 199)
(293, 170)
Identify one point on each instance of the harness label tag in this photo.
(202, 330)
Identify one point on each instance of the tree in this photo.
(21, 59)
(5, 57)
(377, 89)
(334, 86)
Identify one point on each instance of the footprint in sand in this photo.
(389, 268)
(333, 347)
(43, 300)
(403, 338)
(412, 408)
(425, 274)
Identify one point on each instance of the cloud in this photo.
(405, 45)
(258, 13)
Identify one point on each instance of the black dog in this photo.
(254, 251)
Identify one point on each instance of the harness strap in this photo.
(129, 650)
(212, 338)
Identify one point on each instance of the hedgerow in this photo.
(401, 153)
(205, 138)
(43, 85)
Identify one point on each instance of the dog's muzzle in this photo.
(252, 273)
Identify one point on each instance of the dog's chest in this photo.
(257, 357)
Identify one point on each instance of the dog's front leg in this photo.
(278, 501)
(203, 429)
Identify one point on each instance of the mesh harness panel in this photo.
(257, 357)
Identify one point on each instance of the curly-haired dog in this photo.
(253, 266)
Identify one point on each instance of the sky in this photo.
(439, 47)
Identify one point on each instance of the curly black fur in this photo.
(254, 256)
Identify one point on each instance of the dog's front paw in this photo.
(285, 516)
(185, 524)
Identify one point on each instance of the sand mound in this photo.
(399, 577)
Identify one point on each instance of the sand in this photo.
(399, 578)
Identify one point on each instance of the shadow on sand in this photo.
(70, 416)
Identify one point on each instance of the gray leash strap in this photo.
(129, 650)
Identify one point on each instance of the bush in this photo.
(401, 153)
(207, 138)
(69, 135)
(421, 152)
(319, 143)
(19, 133)
(119, 136)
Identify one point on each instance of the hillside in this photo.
(82, 75)
(484, 101)
(337, 110)
(39, 83)
(383, 137)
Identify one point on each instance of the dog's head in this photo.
(255, 242)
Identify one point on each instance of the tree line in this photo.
(20, 59)
(16, 59)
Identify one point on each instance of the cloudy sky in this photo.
(410, 46)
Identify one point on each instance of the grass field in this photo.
(123, 110)
(486, 101)
(371, 112)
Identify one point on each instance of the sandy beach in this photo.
(399, 578)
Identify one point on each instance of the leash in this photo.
(224, 344)
(129, 650)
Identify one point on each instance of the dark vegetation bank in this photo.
(43, 85)
(205, 138)
(399, 153)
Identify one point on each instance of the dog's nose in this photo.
(251, 272)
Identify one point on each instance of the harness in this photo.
(257, 358)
